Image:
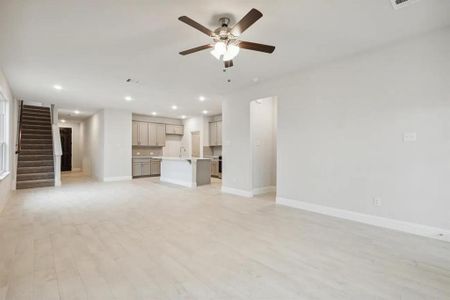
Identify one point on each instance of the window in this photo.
(4, 137)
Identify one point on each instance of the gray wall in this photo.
(341, 127)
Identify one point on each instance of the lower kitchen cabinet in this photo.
(146, 167)
(155, 168)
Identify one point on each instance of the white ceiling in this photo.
(92, 47)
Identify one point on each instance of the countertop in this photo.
(181, 158)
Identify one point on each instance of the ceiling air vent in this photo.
(402, 3)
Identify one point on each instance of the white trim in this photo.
(233, 191)
(179, 182)
(3, 175)
(119, 178)
(264, 190)
(413, 228)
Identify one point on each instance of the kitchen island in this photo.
(186, 171)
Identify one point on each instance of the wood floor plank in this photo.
(142, 239)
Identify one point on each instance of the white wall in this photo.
(106, 140)
(7, 182)
(76, 144)
(263, 144)
(117, 145)
(340, 133)
(92, 142)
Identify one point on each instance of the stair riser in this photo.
(37, 126)
(31, 152)
(35, 108)
(36, 163)
(33, 170)
(31, 132)
(36, 142)
(21, 186)
(35, 176)
(36, 122)
(34, 112)
(35, 157)
(35, 117)
(37, 147)
(28, 136)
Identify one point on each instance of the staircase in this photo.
(35, 167)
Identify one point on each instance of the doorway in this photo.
(66, 145)
(195, 143)
(263, 138)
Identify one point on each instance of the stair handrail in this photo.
(19, 126)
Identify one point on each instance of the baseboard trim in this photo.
(264, 190)
(238, 192)
(413, 228)
(119, 178)
(178, 182)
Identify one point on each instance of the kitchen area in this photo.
(187, 151)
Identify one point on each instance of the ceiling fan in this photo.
(225, 38)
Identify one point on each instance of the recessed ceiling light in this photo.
(154, 113)
(57, 87)
(183, 117)
(63, 121)
(174, 107)
(128, 98)
(201, 98)
(205, 112)
(256, 79)
(77, 112)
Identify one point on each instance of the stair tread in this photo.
(35, 176)
(38, 180)
(34, 170)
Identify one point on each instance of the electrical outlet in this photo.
(377, 201)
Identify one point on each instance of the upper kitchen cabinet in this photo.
(157, 134)
(140, 134)
(215, 133)
(174, 129)
(160, 135)
(148, 134)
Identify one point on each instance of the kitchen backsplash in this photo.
(212, 151)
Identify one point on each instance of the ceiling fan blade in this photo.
(196, 25)
(196, 49)
(251, 17)
(228, 63)
(256, 47)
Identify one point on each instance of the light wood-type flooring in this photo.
(146, 240)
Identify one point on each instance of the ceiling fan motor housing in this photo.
(223, 31)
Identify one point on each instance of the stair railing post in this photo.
(57, 150)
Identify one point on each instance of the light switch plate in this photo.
(409, 137)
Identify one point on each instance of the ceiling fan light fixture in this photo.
(219, 50)
(232, 52)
